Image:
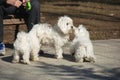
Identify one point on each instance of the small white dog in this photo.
(82, 47)
(28, 44)
(59, 35)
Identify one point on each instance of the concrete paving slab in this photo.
(107, 66)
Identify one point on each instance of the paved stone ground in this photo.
(107, 66)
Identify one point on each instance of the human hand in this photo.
(16, 3)
(24, 2)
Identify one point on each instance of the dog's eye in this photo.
(67, 23)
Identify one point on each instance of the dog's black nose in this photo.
(72, 27)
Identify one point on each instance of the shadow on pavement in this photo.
(9, 46)
(8, 59)
(65, 56)
(43, 54)
(69, 57)
(79, 72)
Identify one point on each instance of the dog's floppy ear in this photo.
(59, 20)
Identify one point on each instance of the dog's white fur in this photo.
(60, 35)
(82, 47)
(28, 44)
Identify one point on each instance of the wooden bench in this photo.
(13, 20)
(12, 25)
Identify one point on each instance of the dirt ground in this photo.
(101, 19)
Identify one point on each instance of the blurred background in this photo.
(101, 17)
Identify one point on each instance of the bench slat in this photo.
(13, 21)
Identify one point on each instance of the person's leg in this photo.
(2, 46)
(1, 24)
(4, 10)
(34, 14)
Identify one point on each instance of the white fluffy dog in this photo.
(28, 44)
(82, 47)
(59, 35)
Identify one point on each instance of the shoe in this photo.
(2, 48)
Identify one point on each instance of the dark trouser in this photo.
(31, 17)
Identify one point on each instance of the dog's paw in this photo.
(90, 59)
(58, 57)
(15, 61)
(25, 62)
(79, 60)
(36, 59)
